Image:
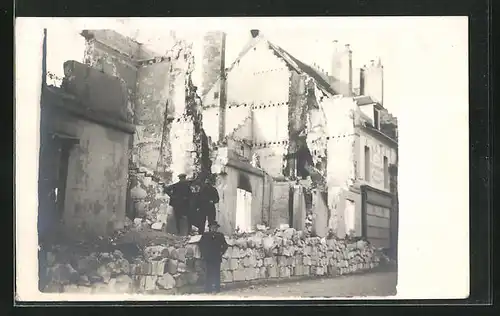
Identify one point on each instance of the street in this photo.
(370, 284)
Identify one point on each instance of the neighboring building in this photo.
(302, 123)
(84, 153)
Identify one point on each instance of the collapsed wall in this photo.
(274, 254)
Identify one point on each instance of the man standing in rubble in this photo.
(180, 194)
(212, 246)
(208, 197)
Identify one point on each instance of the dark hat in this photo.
(182, 175)
(214, 223)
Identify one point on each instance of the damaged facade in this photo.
(290, 144)
(165, 108)
(85, 135)
(322, 145)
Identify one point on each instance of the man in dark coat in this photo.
(212, 246)
(180, 194)
(207, 199)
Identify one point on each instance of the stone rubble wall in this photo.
(280, 253)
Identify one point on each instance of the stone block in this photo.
(320, 270)
(307, 260)
(268, 261)
(181, 267)
(262, 272)
(100, 288)
(156, 252)
(307, 270)
(173, 253)
(166, 281)
(180, 280)
(298, 270)
(148, 282)
(158, 267)
(251, 274)
(157, 226)
(181, 254)
(172, 266)
(227, 276)
(284, 272)
(239, 275)
(272, 271)
(121, 284)
(199, 265)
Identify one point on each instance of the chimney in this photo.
(372, 81)
(341, 69)
(214, 68)
(254, 33)
(335, 46)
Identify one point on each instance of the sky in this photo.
(308, 39)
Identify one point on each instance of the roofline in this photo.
(376, 132)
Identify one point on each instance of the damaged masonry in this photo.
(304, 164)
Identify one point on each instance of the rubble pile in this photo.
(280, 253)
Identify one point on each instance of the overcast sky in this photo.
(309, 39)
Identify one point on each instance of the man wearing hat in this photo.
(208, 197)
(212, 246)
(180, 193)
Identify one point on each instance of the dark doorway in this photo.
(53, 172)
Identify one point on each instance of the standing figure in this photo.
(180, 193)
(212, 246)
(207, 199)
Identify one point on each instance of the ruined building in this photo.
(289, 143)
(162, 103)
(84, 136)
(324, 150)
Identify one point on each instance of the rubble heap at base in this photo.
(280, 253)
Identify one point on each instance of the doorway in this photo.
(55, 151)
(244, 204)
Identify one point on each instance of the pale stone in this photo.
(192, 277)
(100, 288)
(299, 270)
(157, 226)
(148, 282)
(138, 193)
(156, 252)
(173, 253)
(172, 266)
(284, 226)
(262, 272)
(239, 275)
(166, 281)
(272, 271)
(233, 264)
(227, 276)
(121, 284)
(284, 272)
(268, 261)
(104, 273)
(181, 254)
(87, 264)
(261, 227)
(289, 233)
(194, 239)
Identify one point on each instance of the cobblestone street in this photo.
(370, 284)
